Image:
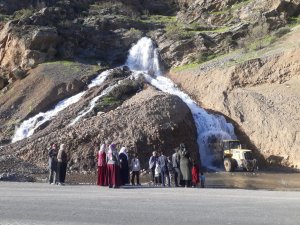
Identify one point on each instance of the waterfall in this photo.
(143, 59)
(28, 127)
(211, 129)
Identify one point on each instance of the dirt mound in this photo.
(148, 121)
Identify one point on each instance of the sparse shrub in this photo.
(176, 31)
(257, 38)
(282, 31)
(125, 89)
(134, 33)
(204, 57)
(23, 13)
(18, 73)
(107, 103)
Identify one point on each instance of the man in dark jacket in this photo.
(52, 163)
(163, 162)
(176, 166)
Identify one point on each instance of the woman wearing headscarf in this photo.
(124, 168)
(185, 166)
(113, 167)
(102, 166)
(62, 159)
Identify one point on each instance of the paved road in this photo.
(42, 204)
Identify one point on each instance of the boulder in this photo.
(150, 120)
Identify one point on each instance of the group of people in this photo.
(180, 167)
(57, 164)
(114, 168)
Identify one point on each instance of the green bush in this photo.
(282, 31)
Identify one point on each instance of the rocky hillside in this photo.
(259, 91)
(235, 57)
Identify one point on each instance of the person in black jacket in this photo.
(52, 163)
(163, 162)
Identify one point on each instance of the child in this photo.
(195, 174)
(202, 179)
(157, 174)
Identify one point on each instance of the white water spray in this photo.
(210, 128)
(28, 127)
(144, 57)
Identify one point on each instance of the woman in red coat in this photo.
(195, 174)
(102, 166)
(113, 167)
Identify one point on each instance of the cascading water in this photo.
(28, 127)
(92, 104)
(143, 57)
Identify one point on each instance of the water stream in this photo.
(210, 128)
(29, 126)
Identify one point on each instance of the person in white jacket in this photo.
(135, 167)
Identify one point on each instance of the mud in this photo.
(238, 180)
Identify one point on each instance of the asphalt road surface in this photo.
(42, 204)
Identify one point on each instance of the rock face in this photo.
(260, 95)
(149, 121)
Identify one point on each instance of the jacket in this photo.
(152, 162)
(135, 165)
(175, 160)
(52, 159)
(163, 162)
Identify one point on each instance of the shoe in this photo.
(59, 184)
(52, 183)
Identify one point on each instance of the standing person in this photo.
(152, 165)
(113, 168)
(176, 166)
(170, 169)
(185, 165)
(124, 168)
(52, 163)
(135, 167)
(163, 162)
(157, 174)
(62, 159)
(102, 166)
(195, 174)
(202, 180)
